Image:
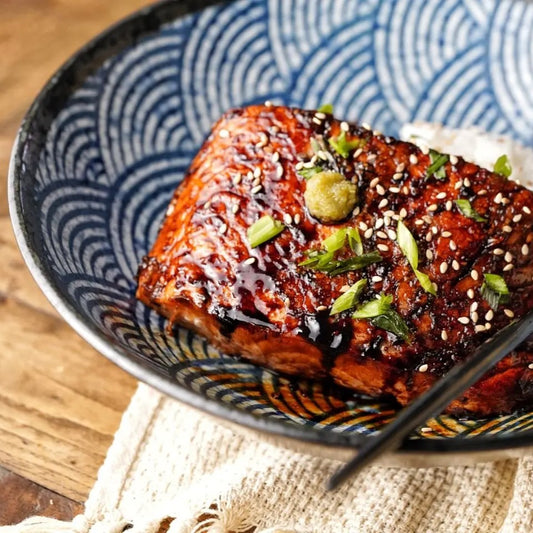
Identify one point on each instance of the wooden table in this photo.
(60, 401)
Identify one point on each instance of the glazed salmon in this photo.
(271, 304)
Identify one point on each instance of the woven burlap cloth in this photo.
(171, 461)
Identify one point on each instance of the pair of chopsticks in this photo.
(432, 402)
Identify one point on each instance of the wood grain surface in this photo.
(60, 401)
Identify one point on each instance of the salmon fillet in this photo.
(263, 305)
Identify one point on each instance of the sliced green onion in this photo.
(426, 283)
(335, 241)
(436, 168)
(468, 211)
(326, 108)
(308, 173)
(343, 146)
(407, 244)
(354, 263)
(354, 241)
(374, 308)
(263, 230)
(393, 322)
(503, 166)
(349, 299)
(494, 290)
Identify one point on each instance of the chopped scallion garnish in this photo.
(503, 166)
(308, 173)
(436, 168)
(349, 299)
(426, 282)
(343, 146)
(263, 230)
(468, 211)
(326, 108)
(353, 263)
(374, 308)
(494, 290)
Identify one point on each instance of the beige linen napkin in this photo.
(171, 461)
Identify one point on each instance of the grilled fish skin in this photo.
(261, 305)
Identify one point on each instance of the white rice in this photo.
(474, 145)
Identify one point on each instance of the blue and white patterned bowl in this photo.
(111, 135)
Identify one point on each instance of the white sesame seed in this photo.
(443, 268)
(446, 234)
(498, 251)
(257, 172)
(381, 234)
(474, 307)
(506, 201)
(207, 205)
(255, 190)
(482, 192)
(433, 207)
(357, 153)
(321, 308)
(525, 249)
(279, 171)
(394, 190)
(383, 203)
(429, 236)
(363, 226)
(458, 185)
(441, 196)
(397, 176)
(400, 167)
(517, 218)
(444, 335)
(405, 190)
(453, 246)
(403, 212)
(322, 155)
(423, 368)
(275, 157)
(413, 159)
(429, 255)
(427, 219)
(526, 210)
(373, 183)
(479, 328)
(263, 140)
(287, 219)
(508, 267)
(287, 302)
(498, 198)
(223, 134)
(470, 293)
(454, 160)
(475, 317)
(419, 222)
(379, 223)
(371, 158)
(455, 265)
(368, 233)
(508, 313)
(489, 315)
(268, 103)
(320, 115)
(488, 325)
(463, 320)
(396, 217)
(249, 261)
(297, 218)
(377, 279)
(299, 165)
(235, 209)
(345, 126)
(466, 182)
(449, 205)
(366, 125)
(425, 430)
(256, 182)
(356, 211)
(380, 190)
(389, 213)
(223, 229)
(507, 229)
(508, 257)
(392, 234)
(383, 247)
(474, 274)
(317, 121)
(434, 230)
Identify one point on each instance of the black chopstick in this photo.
(432, 402)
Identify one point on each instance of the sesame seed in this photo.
(470, 293)
(256, 182)
(443, 268)
(453, 246)
(223, 134)
(424, 150)
(405, 190)
(498, 198)
(463, 320)
(479, 328)
(474, 316)
(380, 190)
(530, 366)
(466, 182)
(455, 265)
(482, 192)
(508, 257)
(379, 223)
(446, 234)
(321, 308)
(255, 190)
(275, 157)
(449, 205)
(377, 279)
(423, 368)
(249, 261)
(429, 255)
(507, 229)
(419, 222)
(429, 236)
(287, 302)
(458, 185)
(312, 163)
(279, 171)
(368, 233)
(526, 210)
(381, 234)
(345, 126)
(488, 325)
(454, 160)
(444, 335)
(297, 218)
(394, 190)
(257, 172)
(223, 229)
(525, 249)
(506, 201)
(413, 159)
(299, 165)
(508, 267)
(498, 251)
(371, 158)
(508, 313)
(373, 183)
(356, 211)
(400, 167)
(287, 219)
(322, 155)
(474, 307)
(517, 218)
(263, 140)
(389, 213)
(383, 203)
(383, 247)
(425, 430)
(357, 153)
(403, 212)
(317, 121)
(434, 230)
(268, 103)
(363, 226)
(427, 219)
(489, 315)
(397, 176)
(320, 115)
(441, 196)
(235, 209)
(366, 125)
(237, 179)
(207, 205)
(433, 207)
(474, 274)
(392, 234)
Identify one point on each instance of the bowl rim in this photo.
(75, 70)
